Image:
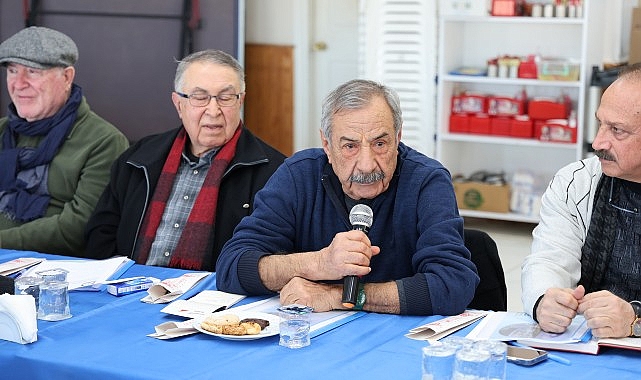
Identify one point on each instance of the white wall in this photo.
(270, 21)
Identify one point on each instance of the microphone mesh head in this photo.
(361, 215)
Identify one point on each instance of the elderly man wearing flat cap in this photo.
(55, 153)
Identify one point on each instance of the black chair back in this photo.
(491, 293)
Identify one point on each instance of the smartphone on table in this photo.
(525, 355)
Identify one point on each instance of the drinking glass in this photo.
(498, 357)
(438, 361)
(54, 301)
(471, 364)
(28, 285)
(294, 326)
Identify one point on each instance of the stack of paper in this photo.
(85, 274)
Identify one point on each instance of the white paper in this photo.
(83, 274)
(320, 322)
(16, 265)
(445, 326)
(203, 303)
(168, 290)
(506, 326)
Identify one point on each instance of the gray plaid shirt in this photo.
(189, 180)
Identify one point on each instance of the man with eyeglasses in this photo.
(174, 198)
(586, 250)
(55, 152)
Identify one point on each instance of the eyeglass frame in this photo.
(633, 212)
(189, 98)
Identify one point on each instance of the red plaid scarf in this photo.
(192, 245)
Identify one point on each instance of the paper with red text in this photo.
(445, 326)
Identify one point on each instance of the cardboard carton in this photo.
(482, 196)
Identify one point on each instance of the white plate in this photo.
(270, 330)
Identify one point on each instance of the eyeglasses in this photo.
(634, 211)
(202, 100)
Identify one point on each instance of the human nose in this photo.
(600, 141)
(366, 162)
(213, 108)
(18, 80)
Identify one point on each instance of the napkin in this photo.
(168, 290)
(18, 318)
(169, 330)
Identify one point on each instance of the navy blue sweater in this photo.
(416, 225)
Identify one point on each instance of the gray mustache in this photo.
(604, 155)
(367, 178)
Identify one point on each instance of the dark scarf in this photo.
(599, 241)
(192, 245)
(24, 195)
(610, 256)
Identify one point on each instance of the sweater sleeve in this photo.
(445, 278)
(267, 230)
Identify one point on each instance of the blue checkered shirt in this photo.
(187, 184)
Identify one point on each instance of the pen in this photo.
(556, 358)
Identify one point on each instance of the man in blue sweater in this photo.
(299, 242)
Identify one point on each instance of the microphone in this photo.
(361, 217)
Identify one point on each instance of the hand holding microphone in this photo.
(361, 217)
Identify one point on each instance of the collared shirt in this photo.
(187, 185)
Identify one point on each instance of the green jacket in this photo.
(77, 176)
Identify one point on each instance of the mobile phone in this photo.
(525, 356)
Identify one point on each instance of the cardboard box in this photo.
(482, 197)
(635, 37)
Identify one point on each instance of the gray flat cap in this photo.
(40, 48)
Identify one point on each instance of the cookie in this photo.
(251, 328)
(215, 323)
(263, 323)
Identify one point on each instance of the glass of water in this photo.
(54, 301)
(471, 364)
(438, 361)
(498, 357)
(30, 286)
(294, 326)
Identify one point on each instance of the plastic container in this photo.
(558, 69)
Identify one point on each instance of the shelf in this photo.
(469, 41)
(504, 140)
(513, 217)
(509, 81)
(514, 20)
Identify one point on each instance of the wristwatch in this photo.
(635, 328)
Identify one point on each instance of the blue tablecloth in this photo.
(107, 339)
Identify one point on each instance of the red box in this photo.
(522, 127)
(527, 69)
(500, 126)
(480, 123)
(504, 8)
(545, 109)
(459, 123)
(557, 130)
(504, 106)
(469, 103)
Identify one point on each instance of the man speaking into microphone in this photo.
(299, 241)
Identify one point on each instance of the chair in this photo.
(491, 293)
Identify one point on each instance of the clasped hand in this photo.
(606, 314)
(349, 253)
